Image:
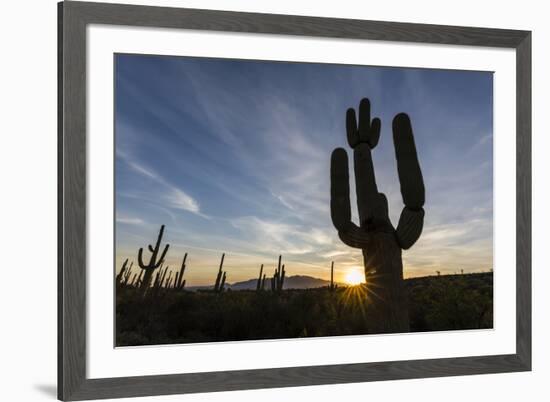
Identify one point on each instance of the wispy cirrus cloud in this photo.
(279, 237)
(140, 169)
(173, 197)
(178, 199)
(129, 220)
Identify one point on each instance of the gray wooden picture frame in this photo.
(73, 18)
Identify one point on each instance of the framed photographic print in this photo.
(257, 201)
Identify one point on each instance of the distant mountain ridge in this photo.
(291, 282)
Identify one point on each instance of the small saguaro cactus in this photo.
(127, 275)
(139, 279)
(180, 282)
(136, 280)
(220, 278)
(124, 273)
(380, 242)
(332, 286)
(154, 262)
(278, 279)
(159, 278)
(120, 276)
(260, 278)
(133, 282)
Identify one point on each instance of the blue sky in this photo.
(233, 156)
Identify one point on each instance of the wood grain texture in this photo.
(230, 21)
(60, 220)
(293, 376)
(73, 19)
(72, 266)
(523, 200)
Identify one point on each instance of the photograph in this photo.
(258, 200)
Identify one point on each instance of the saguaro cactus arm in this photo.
(410, 227)
(340, 208)
(411, 220)
(368, 131)
(408, 168)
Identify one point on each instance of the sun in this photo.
(354, 277)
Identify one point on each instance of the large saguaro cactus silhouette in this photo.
(380, 242)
